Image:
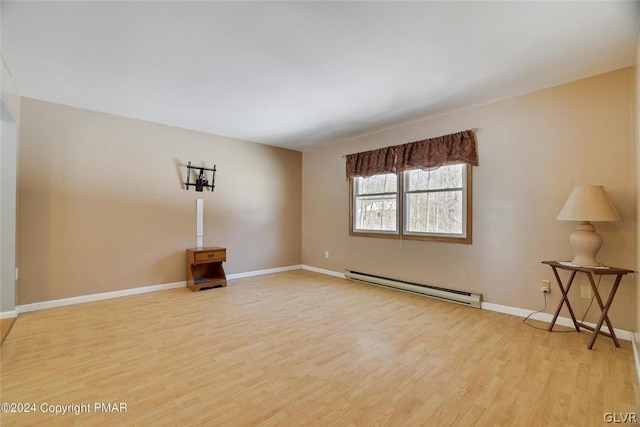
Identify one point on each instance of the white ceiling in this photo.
(300, 74)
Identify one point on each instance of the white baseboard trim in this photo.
(323, 271)
(8, 314)
(547, 317)
(96, 297)
(520, 312)
(261, 272)
(127, 292)
(636, 352)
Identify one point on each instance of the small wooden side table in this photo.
(590, 272)
(204, 268)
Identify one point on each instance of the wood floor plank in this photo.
(5, 327)
(299, 348)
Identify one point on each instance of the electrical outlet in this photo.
(326, 254)
(586, 292)
(545, 286)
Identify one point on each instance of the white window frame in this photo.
(462, 189)
(354, 194)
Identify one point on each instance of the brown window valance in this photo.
(457, 147)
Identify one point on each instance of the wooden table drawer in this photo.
(211, 256)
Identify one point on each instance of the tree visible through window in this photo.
(433, 200)
(376, 203)
(417, 204)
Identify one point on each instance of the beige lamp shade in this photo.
(589, 203)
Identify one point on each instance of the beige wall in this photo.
(533, 150)
(102, 205)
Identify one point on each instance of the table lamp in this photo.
(587, 203)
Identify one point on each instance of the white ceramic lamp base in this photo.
(585, 243)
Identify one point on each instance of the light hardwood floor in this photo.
(300, 348)
(5, 327)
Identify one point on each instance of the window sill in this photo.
(464, 240)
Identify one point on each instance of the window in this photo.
(375, 203)
(416, 204)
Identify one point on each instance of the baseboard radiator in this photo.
(450, 295)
